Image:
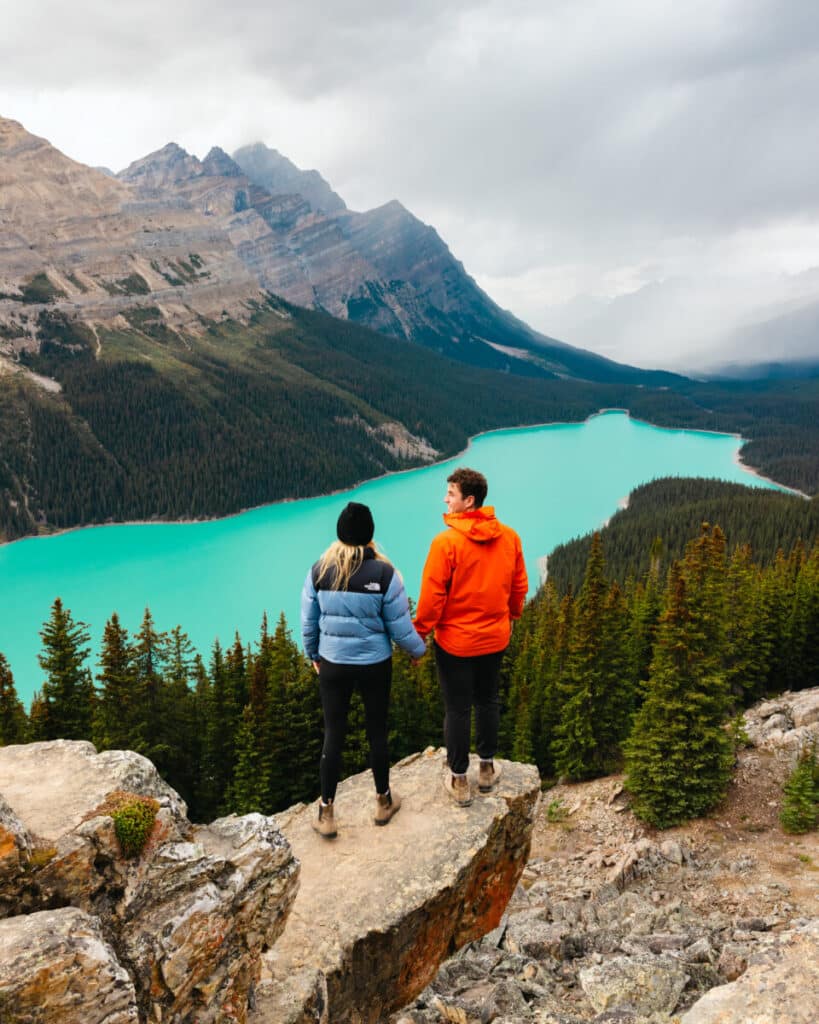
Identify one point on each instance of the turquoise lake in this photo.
(551, 483)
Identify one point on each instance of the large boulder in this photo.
(56, 966)
(788, 724)
(190, 917)
(642, 984)
(780, 986)
(379, 909)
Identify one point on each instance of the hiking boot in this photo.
(457, 787)
(325, 823)
(386, 804)
(488, 774)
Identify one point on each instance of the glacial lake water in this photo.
(551, 483)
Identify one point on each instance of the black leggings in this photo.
(336, 684)
(464, 682)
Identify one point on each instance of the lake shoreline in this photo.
(410, 469)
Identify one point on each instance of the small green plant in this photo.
(738, 732)
(800, 806)
(133, 823)
(556, 811)
(805, 858)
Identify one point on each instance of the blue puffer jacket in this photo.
(356, 626)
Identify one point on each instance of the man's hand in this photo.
(315, 667)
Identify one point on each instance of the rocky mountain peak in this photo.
(9, 132)
(96, 245)
(271, 170)
(218, 164)
(162, 168)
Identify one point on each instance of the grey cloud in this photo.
(535, 136)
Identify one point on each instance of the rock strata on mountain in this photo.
(197, 241)
(279, 176)
(380, 908)
(81, 244)
(186, 921)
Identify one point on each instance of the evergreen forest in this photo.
(643, 672)
(152, 424)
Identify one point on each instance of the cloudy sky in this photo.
(639, 178)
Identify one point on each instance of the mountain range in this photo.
(193, 337)
(204, 239)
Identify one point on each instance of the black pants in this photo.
(464, 682)
(336, 684)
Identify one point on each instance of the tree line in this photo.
(643, 675)
(240, 733)
(672, 509)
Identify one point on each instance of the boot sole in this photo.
(386, 821)
(325, 835)
(453, 798)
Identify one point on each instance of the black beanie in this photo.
(355, 525)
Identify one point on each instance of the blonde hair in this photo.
(340, 561)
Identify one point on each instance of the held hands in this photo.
(315, 667)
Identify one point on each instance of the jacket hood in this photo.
(479, 525)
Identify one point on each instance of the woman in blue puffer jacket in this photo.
(353, 606)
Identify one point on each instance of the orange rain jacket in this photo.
(474, 584)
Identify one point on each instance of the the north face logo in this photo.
(372, 586)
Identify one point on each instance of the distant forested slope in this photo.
(673, 510)
(155, 423)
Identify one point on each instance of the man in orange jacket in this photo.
(474, 584)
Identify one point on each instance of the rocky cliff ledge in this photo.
(175, 934)
(712, 922)
(207, 923)
(379, 909)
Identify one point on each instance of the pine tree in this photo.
(679, 757)
(177, 718)
(800, 805)
(594, 716)
(218, 746)
(206, 794)
(281, 672)
(13, 721)
(38, 718)
(748, 639)
(802, 656)
(779, 584)
(644, 612)
(149, 653)
(306, 724)
(249, 789)
(116, 723)
(68, 693)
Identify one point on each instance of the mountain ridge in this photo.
(201, 239)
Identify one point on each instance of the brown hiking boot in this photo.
(488, 774)
(457, 787)
(386, 804)
(325, 823)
